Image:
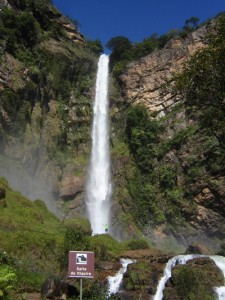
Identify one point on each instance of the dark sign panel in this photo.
(81, 264)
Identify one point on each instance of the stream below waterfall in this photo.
(115, 281)
(182, 259)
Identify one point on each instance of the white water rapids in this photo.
(182, 259)
(98, 192)
(115, 281)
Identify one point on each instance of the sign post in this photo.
(81, 265)
(81, 288)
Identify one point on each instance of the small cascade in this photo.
(220, 262)
(98, 190)
(115, 281)
(220, 291)
(182, 259)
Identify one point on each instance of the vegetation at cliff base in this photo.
(153, 185)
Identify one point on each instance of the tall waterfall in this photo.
(98, 191)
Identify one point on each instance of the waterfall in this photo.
(182, 259)
(98, 192)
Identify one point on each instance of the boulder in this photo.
(71, 186)
(57, 290)
(3, 3)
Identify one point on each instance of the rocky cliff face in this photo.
(145, 81)
(149, 82)
(53, 16)
(46, 93)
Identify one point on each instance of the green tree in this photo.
(28, 29)
(20, 30)
(165, 38)
(192, 22)
(145, 47)
(120, 47)
(74, 239)
(95, 46)
(142, 134)
(119, 43)
(76, 23)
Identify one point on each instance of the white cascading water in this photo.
(182, 259)
(98, 192)
(115, 281)
(220, 262)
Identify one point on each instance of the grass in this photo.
(24, 224)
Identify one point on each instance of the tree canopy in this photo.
(95, 46)
(120, 47)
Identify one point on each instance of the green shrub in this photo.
(7, 281)
(19, 30)
(81, 224)
(192, 284)
(142, 135)
(105, 247)
(167, 177)
(137, 277)
(96, 291)
(138, 244)
(74, 240)
(95, 46)
(28, 277)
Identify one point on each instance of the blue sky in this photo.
(135, 19)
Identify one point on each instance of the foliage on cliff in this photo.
(176, 169)
(47, 75)
(49, 64)
(158, 197)
(202, 84)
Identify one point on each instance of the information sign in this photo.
(81, 264)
